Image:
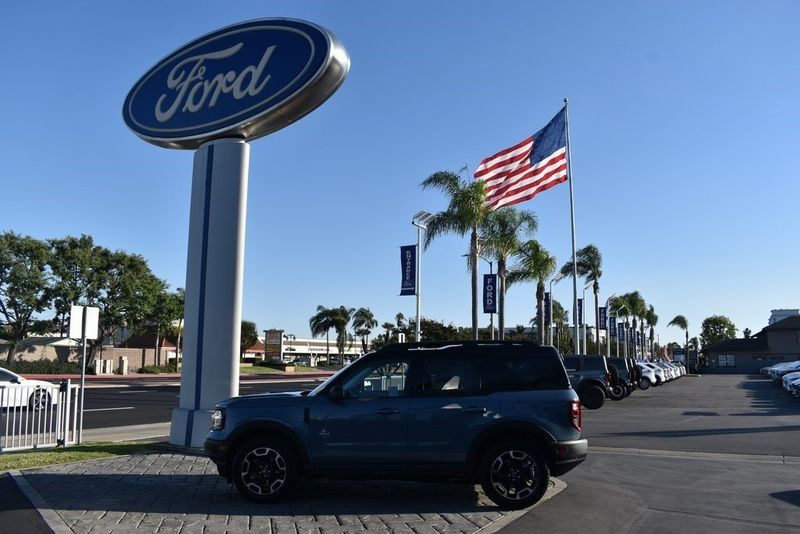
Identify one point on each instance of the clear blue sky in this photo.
(684, 121)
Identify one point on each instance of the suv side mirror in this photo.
(336, 394)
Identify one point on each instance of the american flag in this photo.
(526, 169)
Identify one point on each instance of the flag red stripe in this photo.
(516, 188)
(536, 191)
(522, 174)
(480, 171)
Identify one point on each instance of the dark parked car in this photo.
(590, 377)
(499, 413)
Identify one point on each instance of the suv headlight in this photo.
(218, 419)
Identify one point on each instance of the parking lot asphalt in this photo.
(742, 475)
(735, 414)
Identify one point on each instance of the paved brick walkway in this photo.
(160, 492)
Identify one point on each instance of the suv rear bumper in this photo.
(566, 455)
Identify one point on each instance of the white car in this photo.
(649, 377)
(660, 374)
(19, 392)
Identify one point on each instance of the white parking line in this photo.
(110, 409)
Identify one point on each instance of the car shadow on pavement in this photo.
(767, 397)
(792, 497)
(708, 431)
(207, 493)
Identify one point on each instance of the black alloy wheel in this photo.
(39, 400)
(264, 470)
(513, 475)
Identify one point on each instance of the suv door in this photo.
(451, 406)
(370, 424)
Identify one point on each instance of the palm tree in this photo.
(652, 321)
(321, 323)
(388, 327)
(589, 265)
(681, 322)
(340, 318)
(465, 213)
(535, 264)
(635, 308)
(363, 323)
(500, 237)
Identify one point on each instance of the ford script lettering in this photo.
(244, 81)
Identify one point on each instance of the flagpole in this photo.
(572, 215)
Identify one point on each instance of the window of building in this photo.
(726, 360)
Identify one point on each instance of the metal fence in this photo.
(36, 416)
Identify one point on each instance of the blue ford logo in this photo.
(243, 81)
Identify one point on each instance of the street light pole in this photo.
(550, 329)
(420, 220)
(583, 319)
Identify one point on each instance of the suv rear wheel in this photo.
(264, 469)
(592, 397)
(514, 475)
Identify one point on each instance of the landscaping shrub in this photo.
(46, 367)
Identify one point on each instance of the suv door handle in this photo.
(475, 409)
(387, 411)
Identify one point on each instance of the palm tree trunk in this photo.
(474, 251)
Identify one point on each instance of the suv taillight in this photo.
(575, 414)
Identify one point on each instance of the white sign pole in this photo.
(214, 274)
(83, 324)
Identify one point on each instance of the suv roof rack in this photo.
(440, 345)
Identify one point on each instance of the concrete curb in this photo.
(558, 486)
(688, 455)
(53, 520)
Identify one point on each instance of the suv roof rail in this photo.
(440, 345)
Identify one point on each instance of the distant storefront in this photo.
(778, 342)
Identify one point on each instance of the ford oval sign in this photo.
(243, 81)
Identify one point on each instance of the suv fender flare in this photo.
(511, 429)
(275, 428)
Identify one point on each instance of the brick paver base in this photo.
(181, 493)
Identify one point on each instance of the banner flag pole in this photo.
(572, 216)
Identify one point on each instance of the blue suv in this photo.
(499, 413)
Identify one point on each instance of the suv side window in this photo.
(521, 373)
(381, 378)
(451, 377)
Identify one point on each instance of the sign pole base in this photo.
(214, 273)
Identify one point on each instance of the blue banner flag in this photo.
(489, 293)
(621, 331)
(602, 325)
(408, 265)
(547, 318)
(580, 312)
(612, 326)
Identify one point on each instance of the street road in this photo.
(140, 404)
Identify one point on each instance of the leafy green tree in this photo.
(167, 311)
(715, 329)
(465, 213)
(248, 336)
(321, 323)
(24, 284)
(534, 264)
(589, 265)
(73, 262)
(125, 290)
(681, 322)
(363, 323)
(500, 237)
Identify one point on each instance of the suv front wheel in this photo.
(514, 475)
(264, 469)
